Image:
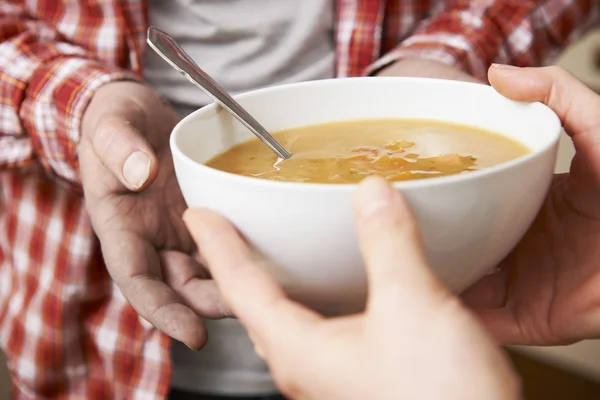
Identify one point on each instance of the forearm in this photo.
(61, 91)
(45, 86)
(473, 35)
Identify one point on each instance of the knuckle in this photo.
(558, 71)
(559, 84)
(136, 290)
(163, 318)
(376, 224)
(222, 310)
(215, 230)
(213, 235)
(211, 305)
(132, 287)
(109, 136)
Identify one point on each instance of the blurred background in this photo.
(565, 372)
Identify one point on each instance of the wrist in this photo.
(418, 67)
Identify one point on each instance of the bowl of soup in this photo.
(473, 165)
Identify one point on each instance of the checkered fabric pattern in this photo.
(66, 330)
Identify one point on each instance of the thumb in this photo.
(575, 104)
(122, 148)
(391, 246)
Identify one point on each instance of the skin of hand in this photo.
(547, 291)
(427, 69)
(415, 339)
(135, 206)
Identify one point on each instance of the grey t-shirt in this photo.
(244, 45)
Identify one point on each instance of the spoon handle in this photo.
(172, 53)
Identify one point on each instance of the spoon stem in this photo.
(166, 47)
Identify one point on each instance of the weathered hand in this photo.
(415, 339)
(547, 291)
(135, 205)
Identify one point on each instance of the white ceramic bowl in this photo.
(469, 222)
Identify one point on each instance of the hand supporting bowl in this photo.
(468, 222)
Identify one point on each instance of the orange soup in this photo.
(347, 152)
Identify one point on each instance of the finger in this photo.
(512, 328)
(391, 246)
(191, 282)
(575, 104)
(122, 148)
(502, 325)
(488, 293)
(135, 268)
(272, 319)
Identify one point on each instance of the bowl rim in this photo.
(329, 187)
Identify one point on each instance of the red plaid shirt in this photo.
(66, 329)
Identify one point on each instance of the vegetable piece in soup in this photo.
(347, 152)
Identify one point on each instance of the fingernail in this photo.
(374, 193)
(504, 66)
(136, 169)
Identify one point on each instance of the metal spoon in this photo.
(166, 47)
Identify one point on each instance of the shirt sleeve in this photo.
(474, 34)
(46, 84)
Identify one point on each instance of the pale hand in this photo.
(415, 340)
(548, 289)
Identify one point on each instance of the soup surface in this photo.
(347, 152)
